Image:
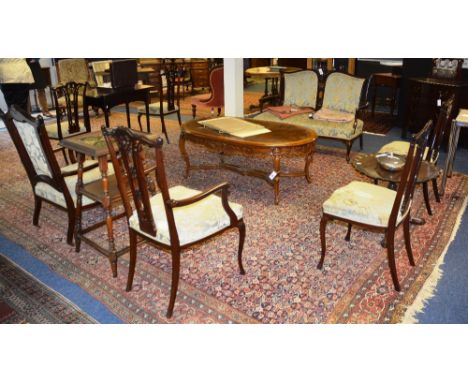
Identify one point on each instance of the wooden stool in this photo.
(386, 80)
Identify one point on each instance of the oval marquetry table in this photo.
(283, 140)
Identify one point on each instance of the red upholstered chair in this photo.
(216, 98)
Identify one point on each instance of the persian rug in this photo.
(282, 248)
(24, 300)
(380, 123)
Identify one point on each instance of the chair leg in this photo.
(348, 150)
(348, 234)
(71, 226)
(241, 227)
(323, 226)
(178, 117)
(194, 111)
(37, 209)
(133, 254)
(436, 190)
(163, 125)
(391, 259)
(219, 111)
(361, 141)
(406, 230)
(139, 121)
(175, 280)
(426, 198)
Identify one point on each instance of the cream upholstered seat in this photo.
(49, 193)
(175, 218)
(342, 130)
(155, 108)
(193, 222)
(378, 207)
(363, 203)
(399, 147)
(53, 133)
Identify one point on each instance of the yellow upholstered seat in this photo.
(49, 193)
(327, 129)
(193, 222)
(363, 203)
(155, 108)
(399, 147)
(52, 130)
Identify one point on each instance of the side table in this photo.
(457, 124)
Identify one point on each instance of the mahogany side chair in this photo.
(431, 152)
(373, 206)
(50, 183)
(169, 96)
(173, 219)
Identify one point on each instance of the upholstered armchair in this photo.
(216, 97)
(173, 219)
(345, 98)
(50, 183)
(377, 207)
(431, 151)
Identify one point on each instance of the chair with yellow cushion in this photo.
(50, 182)
(377, 207)
(431, 151)
(173, 219)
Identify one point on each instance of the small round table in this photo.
(272, 73)
(367, 165)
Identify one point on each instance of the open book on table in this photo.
(235, 126)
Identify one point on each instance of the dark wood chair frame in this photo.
(435, 142)
(402, 204)
(172, 96)
(71, 92)
(130, 160)
(57, 180)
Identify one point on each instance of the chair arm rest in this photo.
(224, 187)
(193, 199)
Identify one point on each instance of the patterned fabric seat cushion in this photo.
(327, 129)
(154, 108)
(194, 222)
(47, 192)
(398, 147)
(52, 130)
(363, 203)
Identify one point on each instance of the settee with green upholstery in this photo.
(344, 96)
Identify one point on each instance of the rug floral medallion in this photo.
(282, 248)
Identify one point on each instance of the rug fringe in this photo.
(430, 286)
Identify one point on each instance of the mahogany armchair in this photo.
(173, 219)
